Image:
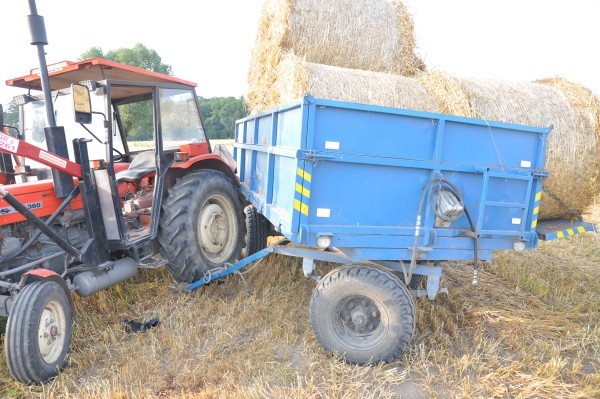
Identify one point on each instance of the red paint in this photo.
(11, 145)
(40, 273)
(195, 149)
(190, 162)
(39, 191)
(120, 166)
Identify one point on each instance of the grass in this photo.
(530, 329)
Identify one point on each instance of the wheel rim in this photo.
(52, 332)
(359, 323)
(217, 229)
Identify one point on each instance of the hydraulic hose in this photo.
(442, 184)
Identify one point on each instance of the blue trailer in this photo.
(390, 194)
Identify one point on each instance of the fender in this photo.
(205, 161)
(47, 275)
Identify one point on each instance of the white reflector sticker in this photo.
(332, 145)
(53, 159)
(526, 164)
(516, 220)
(323, 212)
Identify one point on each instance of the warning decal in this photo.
(53, 159)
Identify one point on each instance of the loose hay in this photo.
(296, 77)
(573, 145)
(373, 35)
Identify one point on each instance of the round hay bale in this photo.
(373, 35)
(297, 77)
(573, 146)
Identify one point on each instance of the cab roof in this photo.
(64, 73)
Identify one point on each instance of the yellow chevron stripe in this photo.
(560, 234)
(570, 232)
(581, 229)
(536, 210)
(302, 190)
(304, 209)
(534, 224)
(538, 196)
(305, 175)
(300, 207)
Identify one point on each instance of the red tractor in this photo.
(109, 168)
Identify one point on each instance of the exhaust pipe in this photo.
(88, 283)
(55, 135)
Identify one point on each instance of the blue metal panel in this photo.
(357, 174)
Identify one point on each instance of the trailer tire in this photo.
(38, 333)
(256, 231)
(201, 225)
(362, 313)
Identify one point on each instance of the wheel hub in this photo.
(51, 329)
(359, 316)
(213, 228)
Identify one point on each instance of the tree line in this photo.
(219, 113)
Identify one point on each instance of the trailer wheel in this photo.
(201, 225)
(362, 313)
(256, 231)
(38, 333)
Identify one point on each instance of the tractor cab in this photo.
(141, 127)
(123, 101)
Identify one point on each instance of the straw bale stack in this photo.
(573, 145)
(372, 35)
(296, 77)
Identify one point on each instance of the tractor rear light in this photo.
(182, 156)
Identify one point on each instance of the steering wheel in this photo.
(120, 156)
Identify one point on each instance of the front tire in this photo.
(38, 333)
(362, 313)
(201, 225)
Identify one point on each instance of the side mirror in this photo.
(82, 104)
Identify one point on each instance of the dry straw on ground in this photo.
(530, 329)
(373, 35)
(296, 77)
(573, 145)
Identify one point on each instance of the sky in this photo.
(210, 42)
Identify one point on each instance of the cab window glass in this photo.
(137, 121)
(180, 118)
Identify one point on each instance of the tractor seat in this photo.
(142, 164)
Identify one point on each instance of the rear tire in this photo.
(201, 225)
(362, 313)
(38, 333)
(256, 231)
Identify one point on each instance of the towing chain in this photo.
(563, 203)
